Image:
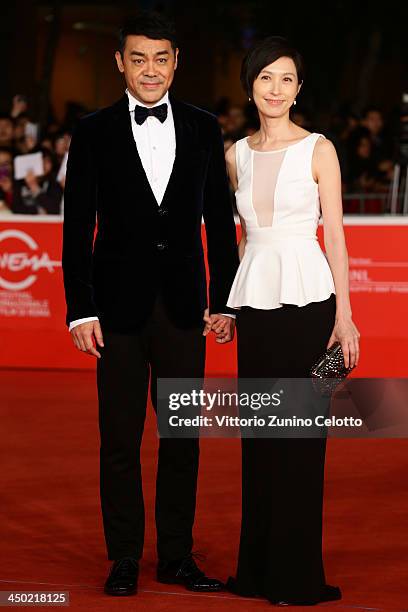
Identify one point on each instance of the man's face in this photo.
(148, 66)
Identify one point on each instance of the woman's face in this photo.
(276, 87)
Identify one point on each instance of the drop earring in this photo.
(294, 102)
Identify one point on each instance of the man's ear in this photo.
(176, 52)
(118, 57)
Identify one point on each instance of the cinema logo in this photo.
(31, 260)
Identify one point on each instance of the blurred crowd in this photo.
(33, 160)
(41, 156)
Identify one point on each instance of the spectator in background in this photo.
(301, 119)
(19, 106)
(52, 129)
(361, 163)
(6, 180)
(382, 139)
(228, 142)
(6, 130)
(372, 120)
(252, 119)
(20, 126)
(232, 119)
(369, 159)
(25, 135)
(222, 111)
(39, 195)
(342, 125)
(236, 122)
(47, 143)
(367, 173)
(61, 142)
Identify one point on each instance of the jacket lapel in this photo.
(182, 147)
(132, 165)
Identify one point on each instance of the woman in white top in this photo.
(292, 303)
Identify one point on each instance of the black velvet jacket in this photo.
(140, 247)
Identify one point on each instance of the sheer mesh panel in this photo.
(265, 176)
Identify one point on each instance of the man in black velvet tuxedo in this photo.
(145, 171)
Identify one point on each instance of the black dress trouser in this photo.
(159, 349)
(280, 555)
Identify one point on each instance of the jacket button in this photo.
(161, 246)
(162, 211)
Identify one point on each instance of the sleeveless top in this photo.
(278, 200)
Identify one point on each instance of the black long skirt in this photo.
(280, 554)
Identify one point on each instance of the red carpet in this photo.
(51, 532)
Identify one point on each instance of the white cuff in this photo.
(227, 314)
(80, 321)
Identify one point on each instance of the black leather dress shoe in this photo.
(186, 572)
(123, 575)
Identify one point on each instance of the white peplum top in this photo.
(278, 199)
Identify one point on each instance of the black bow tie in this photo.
(142, 112)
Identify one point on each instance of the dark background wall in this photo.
(61, 52)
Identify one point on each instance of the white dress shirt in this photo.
(156, 146)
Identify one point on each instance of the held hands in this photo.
(87, 336)
(222, 326)
(348, 335)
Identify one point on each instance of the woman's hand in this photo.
(347, 334)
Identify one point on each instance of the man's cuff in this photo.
(80, 321)
(227, 314)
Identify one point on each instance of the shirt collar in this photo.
(133, 102)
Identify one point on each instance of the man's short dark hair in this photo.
(264, 53)
(149, 24)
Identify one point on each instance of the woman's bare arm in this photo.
(232, 174)
(326, 171)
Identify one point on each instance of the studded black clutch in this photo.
(331, 364)
(328, 372)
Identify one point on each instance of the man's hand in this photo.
(222, 326)
(87, 336)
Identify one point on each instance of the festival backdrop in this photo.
(32, 307)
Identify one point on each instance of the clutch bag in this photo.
(330, 366)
